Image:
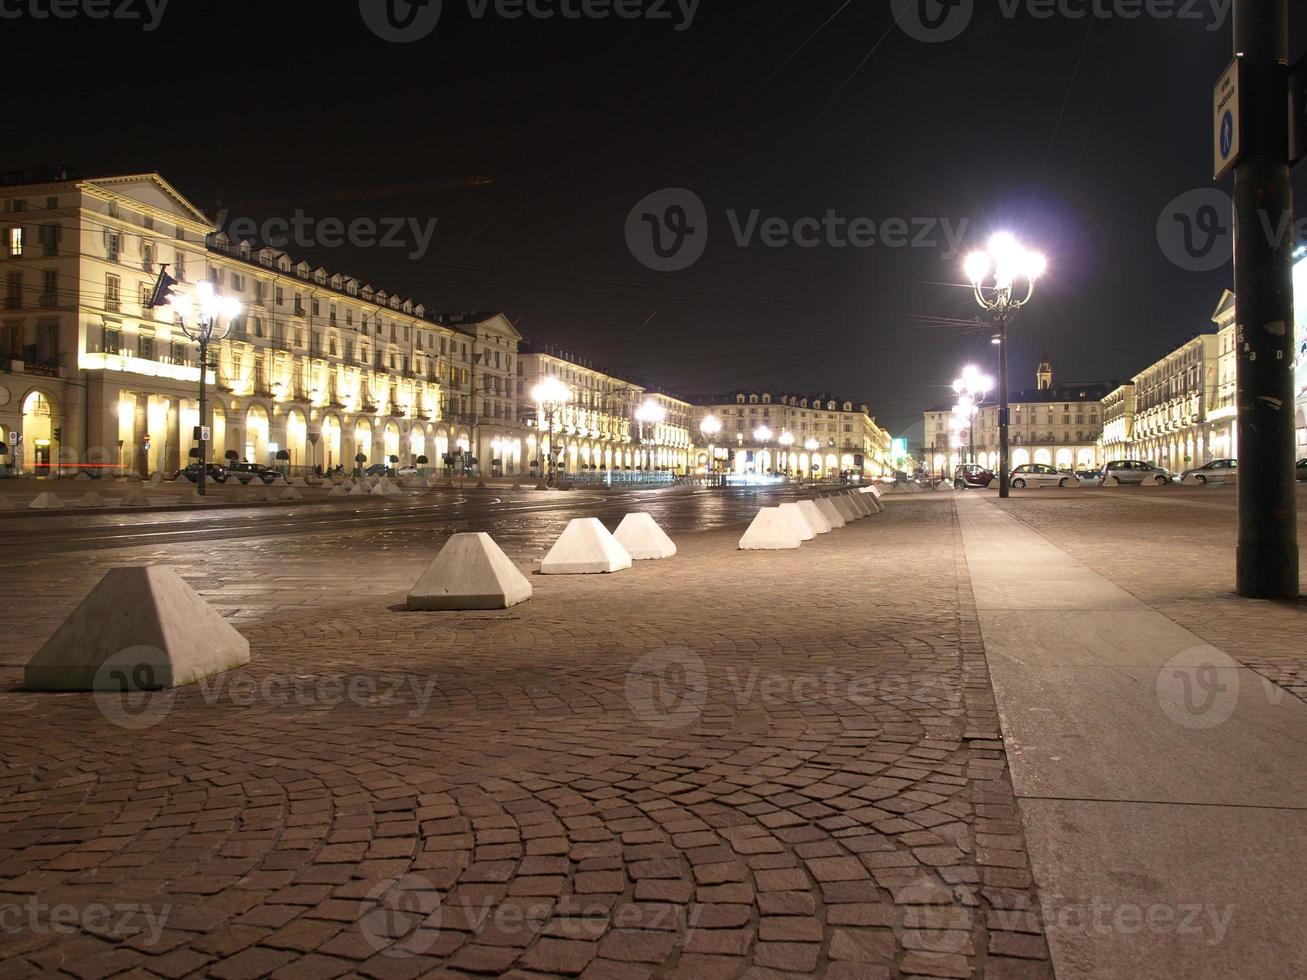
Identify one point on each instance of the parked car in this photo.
(1302, 469)
(971, 475)
(1134, 471)
(245, 472)
(407, 471)
(1038, 475)
(1216, 471)
(213, 471)
(378, 469)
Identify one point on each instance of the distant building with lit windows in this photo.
(797, 435)
(1056, 423)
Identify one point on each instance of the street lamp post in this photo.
(199, 320)
(971, 390)
(650, 413)
(993, 274)
(786, 439)
(550, 395)
(763, 435)
(812, 445)
(711, 426)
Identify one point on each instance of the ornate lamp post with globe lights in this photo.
(786, 439)
(650, 413)
(996, 274)
(812, 445)
(550, 395)
(199, 319)
(971, 390)
(711, 427)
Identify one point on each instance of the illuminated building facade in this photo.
(795, 435)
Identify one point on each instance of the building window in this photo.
(112, 293)
(49, 288)
(15, 242)
(145, 347)
(14, 291)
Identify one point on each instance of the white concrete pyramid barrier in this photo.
(278, 481)
(829, 511)
(793, 515)
(643, 539)
(944, 486)
(134, 497)
(299, 481)
(815, 518)
(82, 476)
(156, 477)
(1072, 483)
(347, 485)
(770, 531)
(46, 501)
(859, 503)
(358, 490)
(143, 627)
(337, 492)
(585, 548)
(289, 493)
(846, 509)
(481, 484)
(470, 572)
(871, 498)
(91, 499)
(542, 485)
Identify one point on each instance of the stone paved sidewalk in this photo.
(725, 764)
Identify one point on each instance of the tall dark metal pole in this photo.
(1003, 467)
(1267, 553)
(204, 446)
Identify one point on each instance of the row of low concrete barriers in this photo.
(790, 524)
(144, 627)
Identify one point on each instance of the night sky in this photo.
(1075, 133)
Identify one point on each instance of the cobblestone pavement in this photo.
(723, 764)
(1174, 548)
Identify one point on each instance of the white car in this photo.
(1134, 471)
(1217, 471)
(1038, 475)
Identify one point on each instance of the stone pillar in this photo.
(140, 434)
(172, 452)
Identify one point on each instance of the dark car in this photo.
(1302, 469)
(971, 475)
(378, 469)
(245, 472)
(213, 471)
